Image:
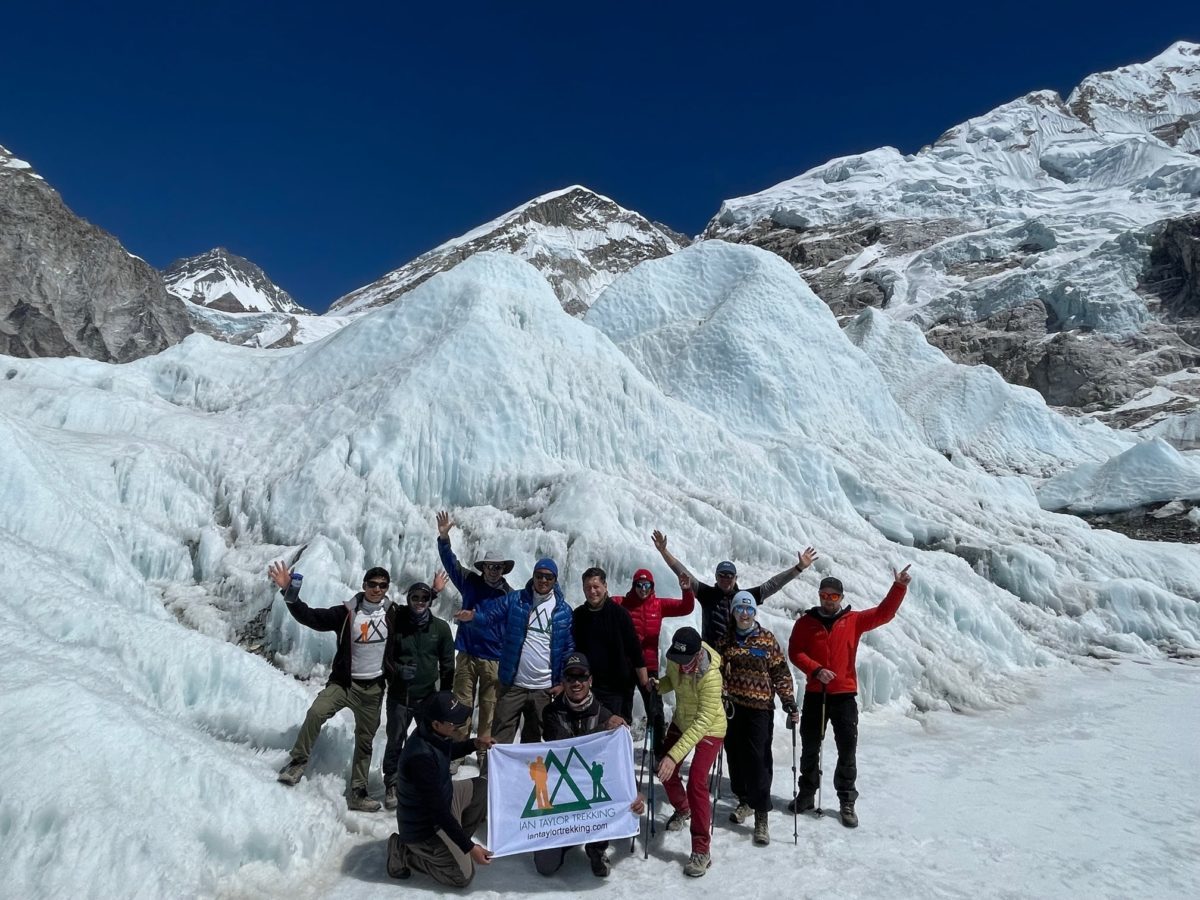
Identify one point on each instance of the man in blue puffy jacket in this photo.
(535, 625)
(477, 661)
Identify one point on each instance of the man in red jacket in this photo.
(824, 645)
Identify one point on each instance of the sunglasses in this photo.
(829, 595)
(644, 585)
(727, 574)
(544, 576)
(576, 678)
(377, 585)
(419, 597)
(493, 567)
(745, 611)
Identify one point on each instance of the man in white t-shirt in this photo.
(356, 677)
(536, 626)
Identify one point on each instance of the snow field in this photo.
(709, 394)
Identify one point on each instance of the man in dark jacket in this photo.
(536, 624)
(476, 678)
(715, 598)
(573, 713)
(418, 660)
(604, 632)
(356, 678)
(824, 646)
(437, 816)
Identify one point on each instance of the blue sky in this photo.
(331, 143)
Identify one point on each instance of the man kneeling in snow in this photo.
(437, 816)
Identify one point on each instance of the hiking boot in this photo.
(697, 865)
(397, 858)
(678, 821)
(805, 802)
(846, 814)
(360, 802)
(599, 861)
(290, 774)
(741, 814)
(762, 836)
(390, 800)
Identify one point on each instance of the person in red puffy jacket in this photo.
(824, 646)
(648, 611)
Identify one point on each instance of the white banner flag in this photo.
(561, 793)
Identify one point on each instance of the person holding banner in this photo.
(575, 712)
(437, 816)
(694, 674)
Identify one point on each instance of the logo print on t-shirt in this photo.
(369, 632)
(540, 618)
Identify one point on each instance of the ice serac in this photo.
(1032, 222)
(579, 240)
(709, 393)
(67, 288)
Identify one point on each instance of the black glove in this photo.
(790, 708)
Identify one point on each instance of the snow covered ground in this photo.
(710, 394)
(1081, 793)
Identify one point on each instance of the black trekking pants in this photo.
(841, 711)
(748, 749)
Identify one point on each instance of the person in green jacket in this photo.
(694, 674)
(418, 662)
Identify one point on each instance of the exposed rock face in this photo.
(1052, 239)
(227, 282)
(578, 239)
(1172, 272)
(67, 288)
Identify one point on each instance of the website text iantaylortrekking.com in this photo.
(571, 824)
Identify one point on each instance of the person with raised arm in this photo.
(648, 610)
(418, 660)
(476, 665)
(535, 625)
(356, 678)
(824, 646)
(715, 598)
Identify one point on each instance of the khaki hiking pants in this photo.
(365, 699)
(473, 674)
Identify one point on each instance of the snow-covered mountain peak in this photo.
(8, 161)
(1160, 97)
(225, 281)
(578, 239)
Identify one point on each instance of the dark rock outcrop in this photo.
(68, 288)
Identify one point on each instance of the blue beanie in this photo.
(547, 564)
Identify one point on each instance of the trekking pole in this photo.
(649, 817)
(642, 773)
(712, 823)
(795, 789)
(821, 754)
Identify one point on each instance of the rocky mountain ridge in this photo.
(1054, 239)
(68, 288)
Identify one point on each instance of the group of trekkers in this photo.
(524, 659)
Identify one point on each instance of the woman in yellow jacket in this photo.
(694, 674)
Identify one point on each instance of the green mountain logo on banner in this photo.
(565, 795)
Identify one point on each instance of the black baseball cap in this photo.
(684, 645)
(444, 707)
(577, 662)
